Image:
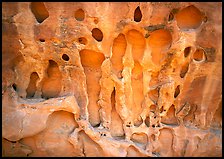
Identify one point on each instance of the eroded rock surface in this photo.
(112, 79)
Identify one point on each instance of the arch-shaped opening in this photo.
(118, 51)
(79, 15)
(97, 34)
(31, 89)
(137, 40)
(137, 14)
(39, 10)
(52, 83)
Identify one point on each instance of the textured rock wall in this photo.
(112, 79)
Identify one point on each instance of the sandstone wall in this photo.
(111, 79)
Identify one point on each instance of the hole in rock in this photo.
(97, 34)
(170, 118)
(118, 51)
(39, 10)
(153, 126)
(80, 15)
(42, 40)
(161, 38)
(14, 86)
(147, 121)
(137, 40)
(31, 89)
(52, 83)
(65, 57)
(189, 18)
(137, 14)
(184, 70)
(91, 58)
(82, 40)
(199, 55)
(187, 51)
(177, 91)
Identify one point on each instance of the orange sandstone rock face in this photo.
(112, 79)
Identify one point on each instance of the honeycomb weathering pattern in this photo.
(112, 79)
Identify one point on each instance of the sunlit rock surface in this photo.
(112, 79)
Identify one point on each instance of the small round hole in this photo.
(82, 40)
(65, 57)
(153, 126)
(79, 15)
(97, 34)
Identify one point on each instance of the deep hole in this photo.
(65, 57)
(177, 91)
(187, 51)
(97, 34)
(153, 126)
(198, 55)
(184, 70)
(104, 135)
(39, 10)
(42, 40)
(14, 86)
(79, 15)
(82, 40)
(154, 117)
(137, 14)
(128, 126)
